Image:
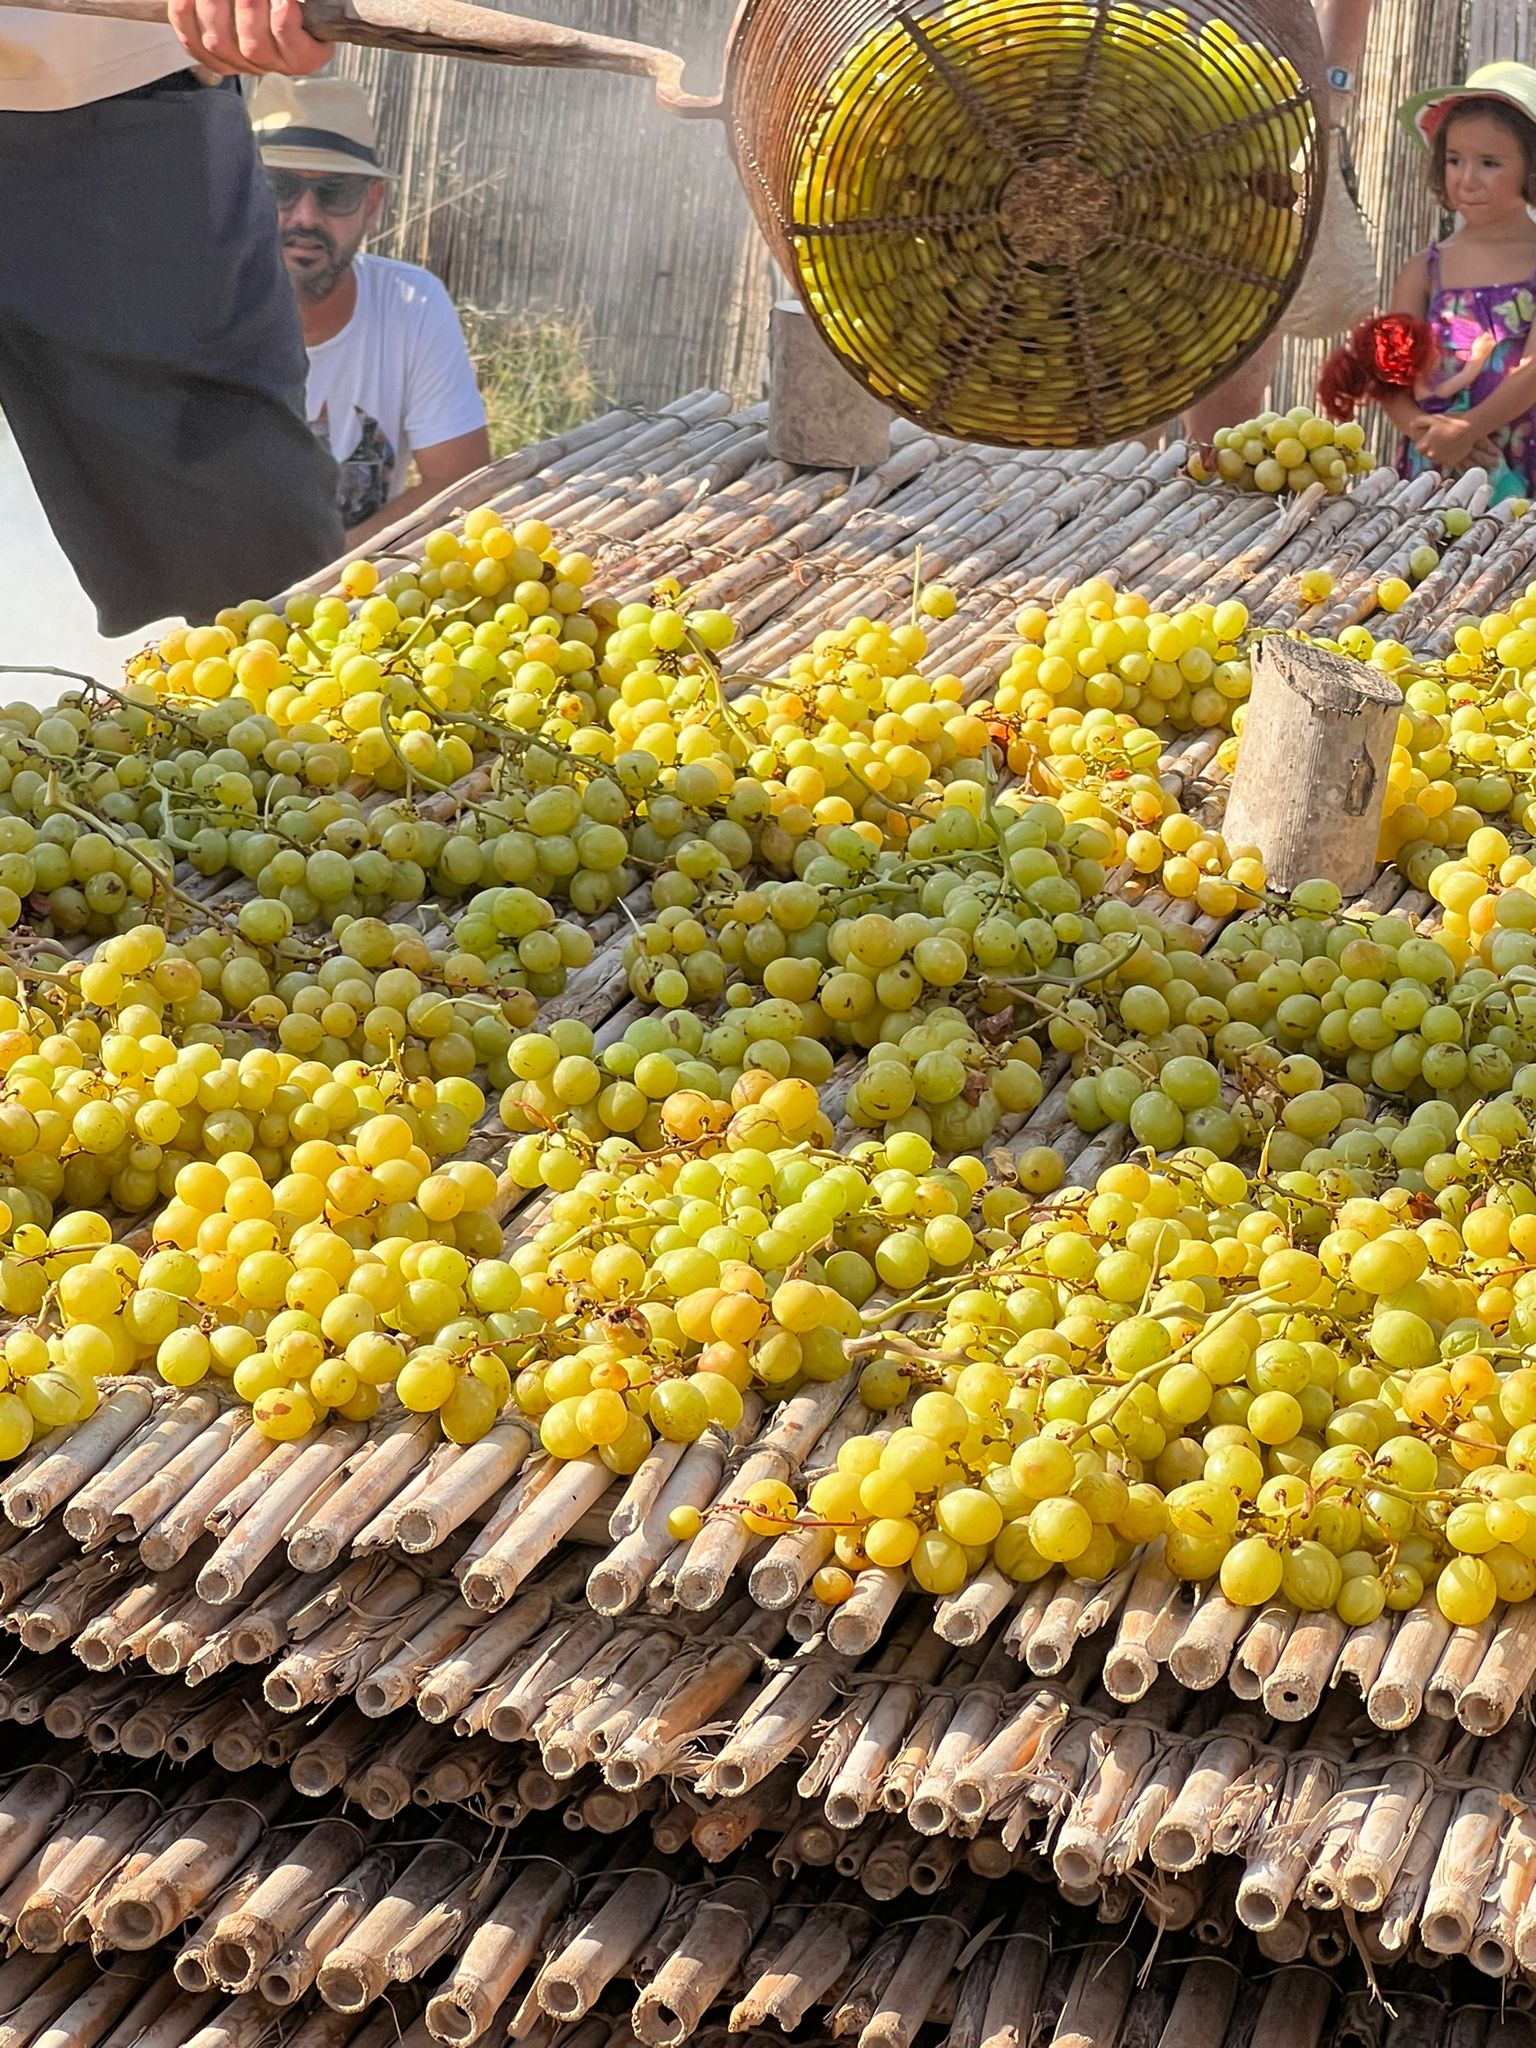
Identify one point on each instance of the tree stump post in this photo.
(1311, 774)
(819, 417)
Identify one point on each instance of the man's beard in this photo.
(317, 283)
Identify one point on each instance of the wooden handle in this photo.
(455, 28)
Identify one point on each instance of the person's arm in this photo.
(1343, 25)
(250, 36)
(1454, 440)
(438, 467)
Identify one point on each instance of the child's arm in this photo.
(1516, 395)
(1448, 387)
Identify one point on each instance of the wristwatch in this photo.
(1340, 79)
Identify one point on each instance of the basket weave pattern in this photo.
(1029, 223)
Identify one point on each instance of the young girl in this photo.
(1478, 289)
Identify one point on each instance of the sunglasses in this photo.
(338, 196)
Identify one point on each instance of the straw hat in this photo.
(320, 126)
(1515, 84)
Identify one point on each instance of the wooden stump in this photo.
(1312, 771)
(818, 417)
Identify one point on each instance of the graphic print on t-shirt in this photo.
(363, 478)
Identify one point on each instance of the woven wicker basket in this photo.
(1028, 222)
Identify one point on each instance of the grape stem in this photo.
(59, 802)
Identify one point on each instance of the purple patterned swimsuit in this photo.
(1459, 314)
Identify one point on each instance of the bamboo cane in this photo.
(1504, 1675)
(1459, 1663)
(571, 1982)
(260, 1530)
(1129, 1666)
(711, 1947)
(383, 1781)
(998, 1763)
(192, 1968)
(1387, 1827)
(1100, 1991)
(211, 1843)
(1185, 1834)
(1509, 1888)
(37, 1487)
(356, 1970)
(56, 1993)
(646, 1749)
(811, 1962)
(167, 1535)
(393, 1681)
(1397, 1696)
(33, 1560)
(574, 1741)
(1397, 1924)
(1271, 1879)
(293, 1970)
(373, 1474)
(1471, 1844)
(618, 1580)
(1260, 1649)
(138, 2023)
(68, 1881)
(245, 1940)
(493, 1578)
(1364, 1653)
(89, 1512)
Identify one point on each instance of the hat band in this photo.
(317, 138)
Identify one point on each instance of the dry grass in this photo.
(535, 371)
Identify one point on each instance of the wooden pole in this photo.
(818, 417)
(1311, 775)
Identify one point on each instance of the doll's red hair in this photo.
(1389, 352)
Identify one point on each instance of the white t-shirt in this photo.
(397, 377)
(52, 61)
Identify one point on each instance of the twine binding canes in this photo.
(192, 1968)
(1279, 1863)
(249, 1934)
(577, 1739)
(293, 1969)
(86, 1856)
(573, 1979)
(448, 1687)
(1395, 1929)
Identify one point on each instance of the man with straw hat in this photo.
(151, 369)
(390, 380)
